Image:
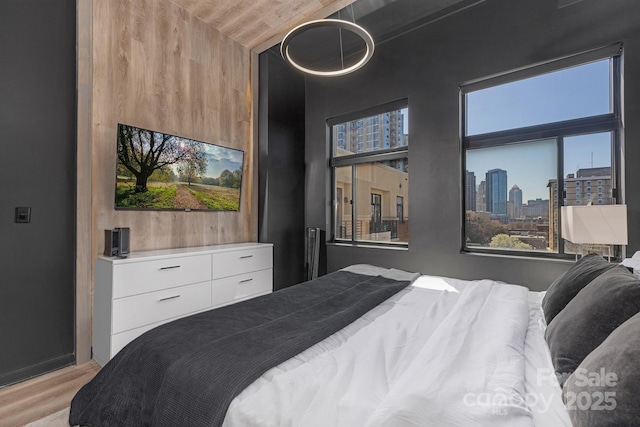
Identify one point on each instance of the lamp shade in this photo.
(597, 224)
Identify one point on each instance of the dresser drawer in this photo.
(136, 294)
(147, 276)
(144, 309)
(242, 286)
(119, 341)
(243, 261)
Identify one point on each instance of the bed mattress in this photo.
(442, 352)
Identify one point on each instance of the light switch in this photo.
(23, 214)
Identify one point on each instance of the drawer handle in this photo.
(246, 256)
(168, 298)
(170, 267)
(245, 280)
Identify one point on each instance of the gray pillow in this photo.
(567, 286)
(598, 309)
(604, 389)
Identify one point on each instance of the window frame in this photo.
(352, 160)
(609, 122)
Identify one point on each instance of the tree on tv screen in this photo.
(195, 163)
(143, 151)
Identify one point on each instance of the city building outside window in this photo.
(527, 134)
(371, 181)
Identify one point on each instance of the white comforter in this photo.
(443, 352)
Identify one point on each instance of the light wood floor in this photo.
(37, 398)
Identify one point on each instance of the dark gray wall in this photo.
(281, 167)
(427, 66)
(37, 169)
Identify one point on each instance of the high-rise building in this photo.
(371, 133)
(496, 191)
(537, 207)
(515, 197)
(481, 205)
(470, 193)
(590, 185)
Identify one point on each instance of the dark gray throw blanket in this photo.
(187, 372)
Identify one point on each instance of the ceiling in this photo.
(385, 19)
(331, 49)
(261, 24)
(258, 24)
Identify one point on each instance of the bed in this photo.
(363, 346)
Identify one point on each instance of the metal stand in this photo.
(311, 252)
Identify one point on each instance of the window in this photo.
(371, 182)
(528, 134)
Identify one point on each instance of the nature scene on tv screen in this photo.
(156, 170)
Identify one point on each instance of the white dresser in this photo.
(135, 294)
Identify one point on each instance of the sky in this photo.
(219, 158)
(581, 91)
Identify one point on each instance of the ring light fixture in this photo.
(340, 24)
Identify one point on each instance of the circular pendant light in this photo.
(325, 23)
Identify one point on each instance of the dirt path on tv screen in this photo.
(185, 200)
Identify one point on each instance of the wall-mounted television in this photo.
(159, 171)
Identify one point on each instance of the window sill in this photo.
(369, 246)
(527, 257)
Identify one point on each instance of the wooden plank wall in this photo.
(151, 64)
(84, 250)
(158, 67)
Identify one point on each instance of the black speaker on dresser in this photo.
(123, 241)
(111, 242)
(116, 242)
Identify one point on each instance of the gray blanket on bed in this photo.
(187, 372)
